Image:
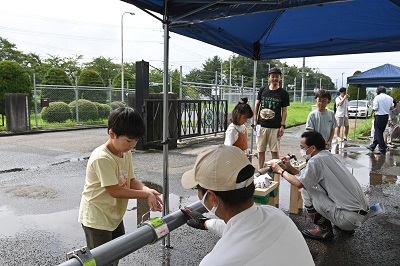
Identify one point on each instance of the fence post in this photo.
(76, 101)
(180, 83)
(35, 100)
(110, 93)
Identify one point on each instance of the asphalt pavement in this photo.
(42, 176)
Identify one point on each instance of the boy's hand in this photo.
(155, 202)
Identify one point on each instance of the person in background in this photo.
(382, 106)
(331, 194)
(270, 111)
(342, 114)
(236, 133)
(392, 124)
(250, 234)
(322, 120)
(110, 181)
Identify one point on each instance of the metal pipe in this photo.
(128, 243)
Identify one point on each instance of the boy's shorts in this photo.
(342, 121)
(270, 137)
(97, 237)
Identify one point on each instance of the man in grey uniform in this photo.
(331, 194)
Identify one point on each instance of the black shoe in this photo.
(369, 148)
(381, 152)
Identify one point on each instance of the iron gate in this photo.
(186, 118)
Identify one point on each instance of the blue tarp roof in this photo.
(387, 75)
(285, 29)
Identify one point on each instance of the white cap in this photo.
(217, 169)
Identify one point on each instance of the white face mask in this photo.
(304, 154)
(213, 209)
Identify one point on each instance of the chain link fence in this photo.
(58, 106)
(63, 106)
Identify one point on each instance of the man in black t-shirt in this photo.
(270, 112)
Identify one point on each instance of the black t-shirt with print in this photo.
(271, 104)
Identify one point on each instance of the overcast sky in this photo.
(92, 28)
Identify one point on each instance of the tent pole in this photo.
(355, 120)
(254, 102)
(165, 241)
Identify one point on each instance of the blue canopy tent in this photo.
(272, 29)
(386, 75)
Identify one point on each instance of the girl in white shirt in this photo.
(236, 133)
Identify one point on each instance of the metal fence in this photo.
(78, 105)
(55, 106)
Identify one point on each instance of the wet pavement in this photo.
(42, 176)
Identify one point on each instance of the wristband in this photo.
(282, 173)
(284, 126)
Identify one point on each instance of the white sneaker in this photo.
(339, 139)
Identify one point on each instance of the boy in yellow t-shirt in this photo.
(110, 181)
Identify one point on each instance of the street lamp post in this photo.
(342, 79)
(269, 68)
(122, 53)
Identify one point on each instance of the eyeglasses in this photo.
(323, 101)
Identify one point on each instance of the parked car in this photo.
(359, 108)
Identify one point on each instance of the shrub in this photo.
(56, 112)
(87, 110)
(13, 79)
(103, 109)
(57, 76)
(116, 104)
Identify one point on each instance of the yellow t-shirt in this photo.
(98, 209)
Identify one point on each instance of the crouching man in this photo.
(331, 194)
(250, 234)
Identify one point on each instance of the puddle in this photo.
(65, 223)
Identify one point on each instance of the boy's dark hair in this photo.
(241, 108)
(125, 121)
(323, 94)
(314, 138)
(234, 198)
(342, 89)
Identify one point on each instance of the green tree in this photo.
(211, 66)
(64, 92)
(105, 67)
(13, 79)
(156, 77)
(128, 79)
(8, 51)
(395, 94)
(90, 78)
(69, 64)
(130, 83)
(357, 92)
